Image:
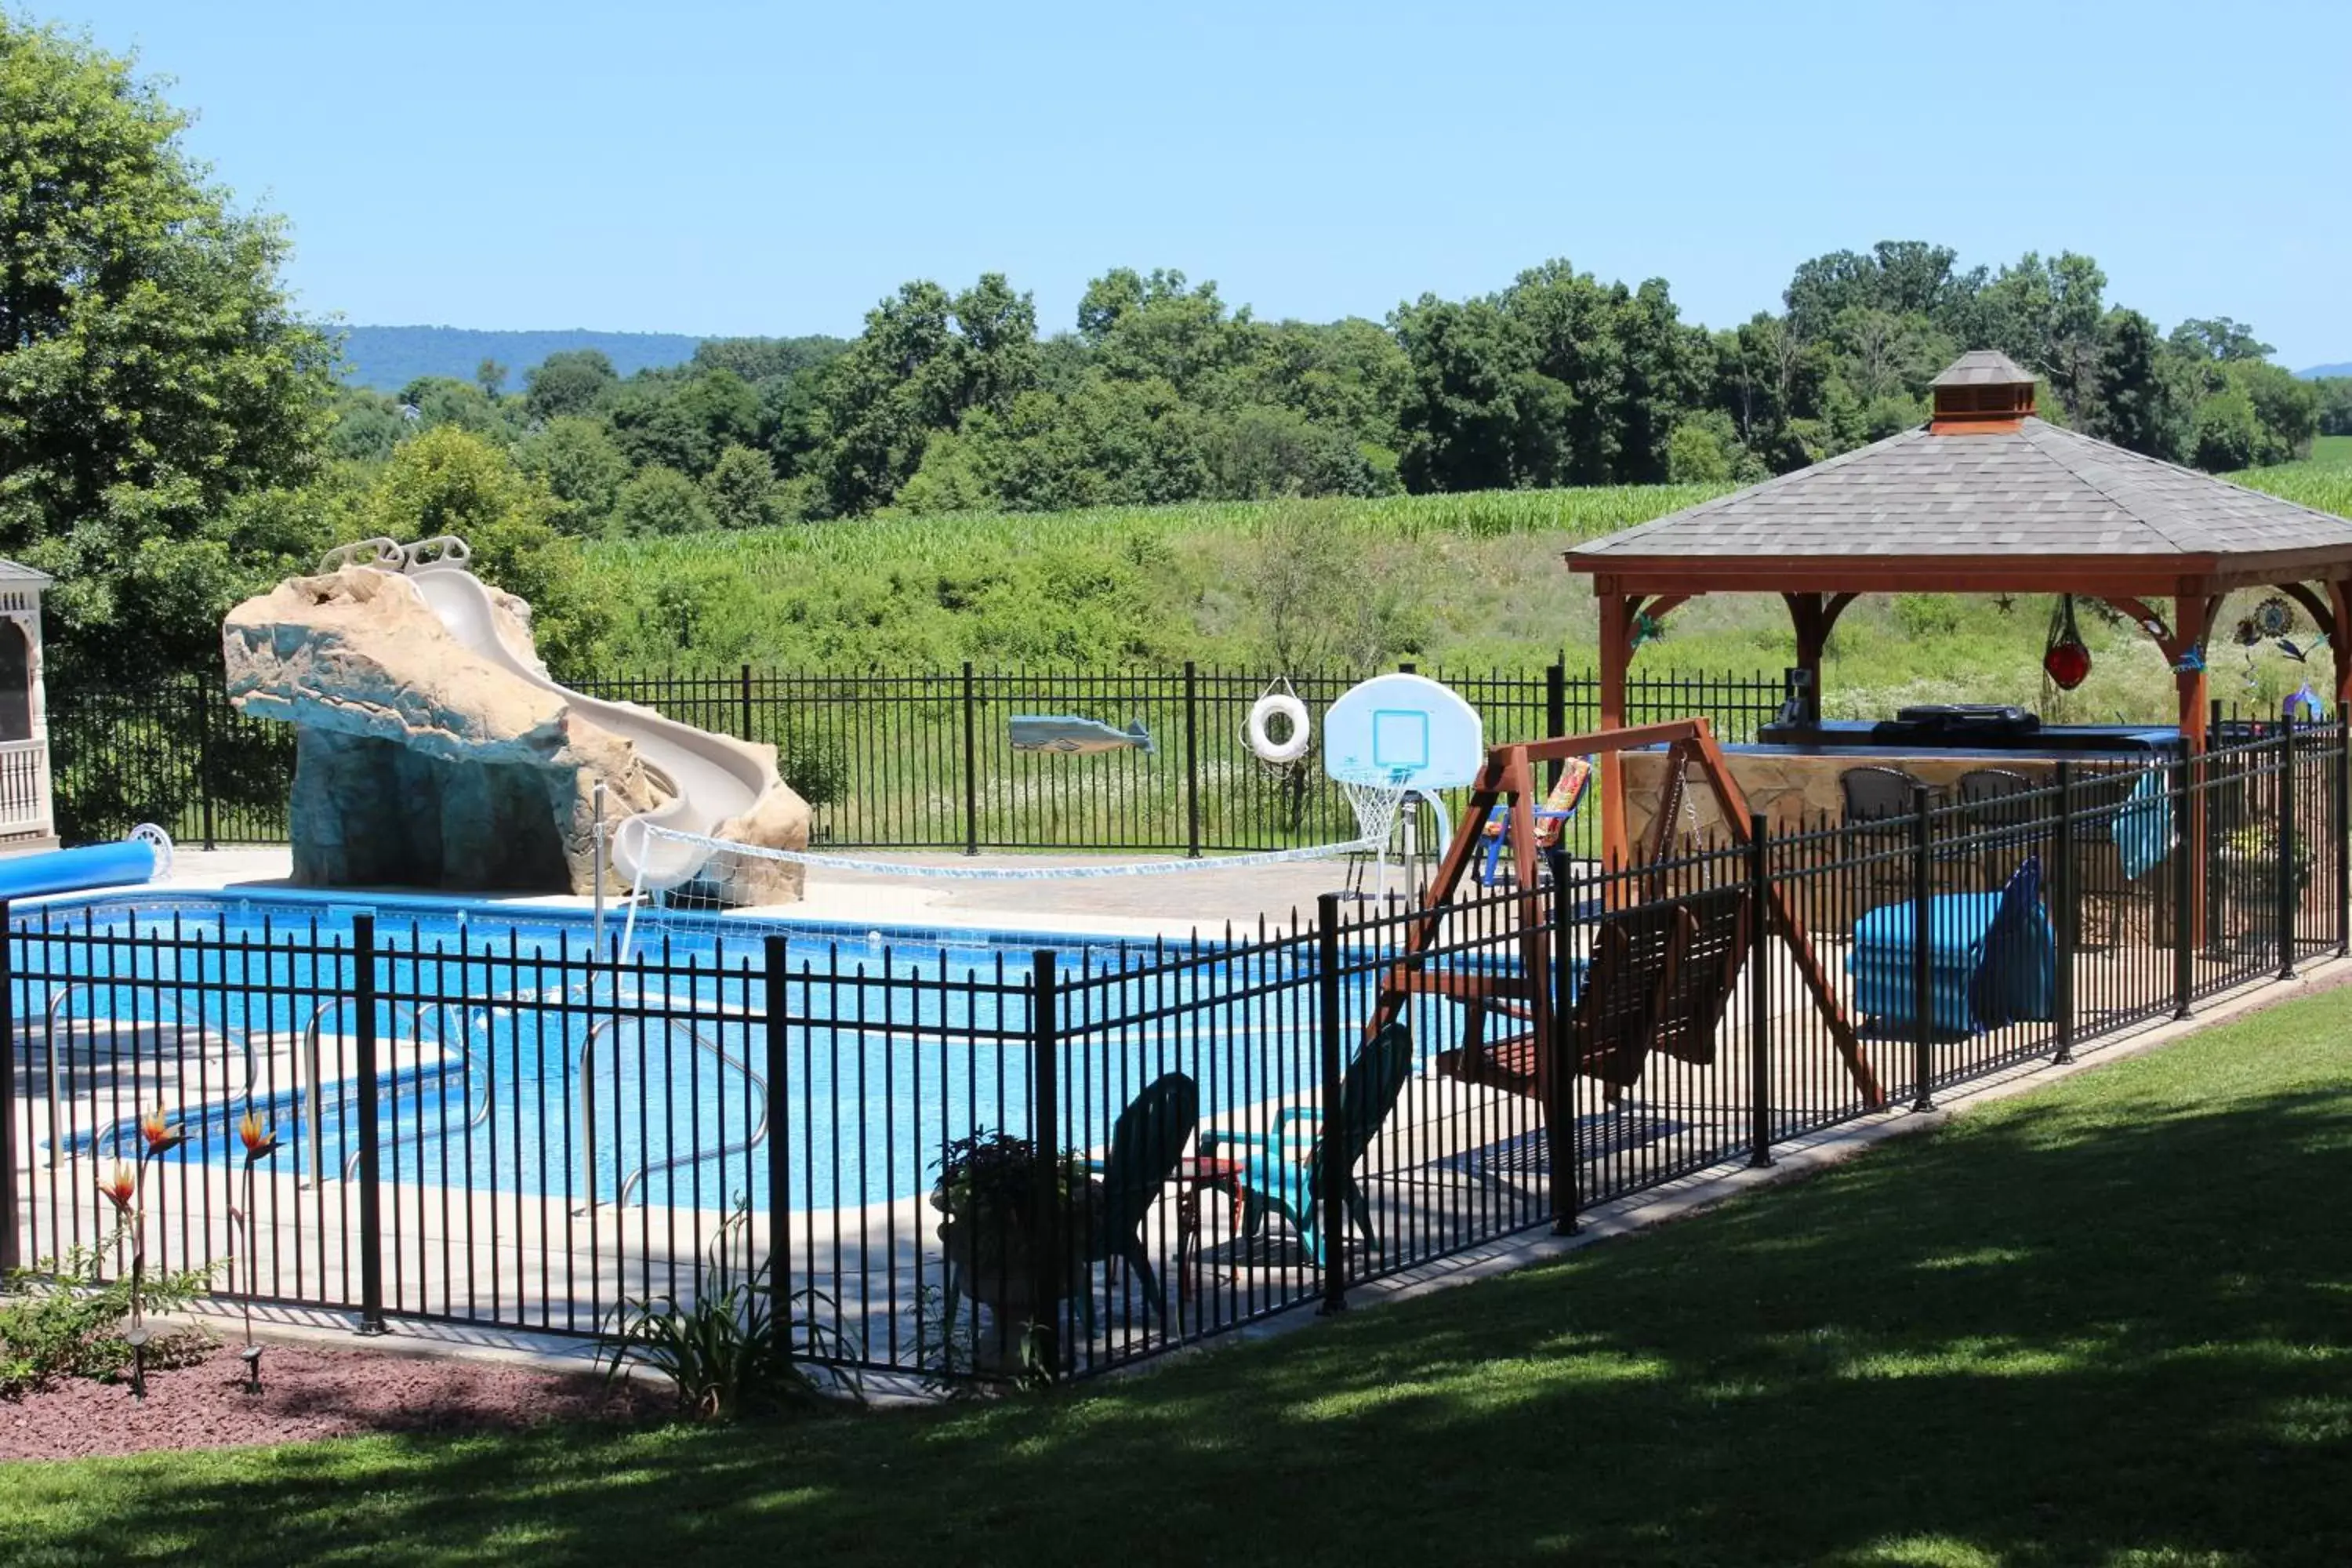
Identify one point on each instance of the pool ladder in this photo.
(703, 1043)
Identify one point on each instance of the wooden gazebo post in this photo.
(1616, 654)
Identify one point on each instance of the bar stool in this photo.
(1878, 795)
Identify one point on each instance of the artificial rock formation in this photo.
(419, 762)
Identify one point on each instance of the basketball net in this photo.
(1374, 795)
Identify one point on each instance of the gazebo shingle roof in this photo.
(2038, 491)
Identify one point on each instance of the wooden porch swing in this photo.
(1663, 968)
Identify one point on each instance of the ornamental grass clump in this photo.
(726, 1350)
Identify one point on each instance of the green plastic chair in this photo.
(1286, 1172)
(1146, 1142)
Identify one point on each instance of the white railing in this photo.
(25, 788)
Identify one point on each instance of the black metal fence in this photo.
(911, 760)
(970, 1160)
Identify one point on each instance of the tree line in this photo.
(1162, 392)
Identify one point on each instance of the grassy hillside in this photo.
(1453, 581)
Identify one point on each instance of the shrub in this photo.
(59, 1319)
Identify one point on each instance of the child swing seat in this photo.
(1553, 817)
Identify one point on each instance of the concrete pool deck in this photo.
(1172, 906)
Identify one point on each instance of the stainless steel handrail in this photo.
(473, 1118)
(702, 1042)
(230, 1038)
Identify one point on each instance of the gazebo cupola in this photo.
(1981, 393)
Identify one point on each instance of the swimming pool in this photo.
(514, 1059)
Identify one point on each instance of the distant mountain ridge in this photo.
(389, 358)
(2316, 371)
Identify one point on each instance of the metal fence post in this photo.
(1555, 710)
(1922, 1010)
(204, 762)
(2339, 762)
(2184, 894)
(2288, 894)
(2069, 900)
(780, 1129)
(1332, 1198)
(1191, 761)
(1759, 992)
(11, 1249)
(370, 1089)
(971, 764)
(1560, 1100)
(743, 693)
(1049, 1234)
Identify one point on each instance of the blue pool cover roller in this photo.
(144, 857)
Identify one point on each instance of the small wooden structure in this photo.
(1663, 967)
(27, 820)
(1986, 498)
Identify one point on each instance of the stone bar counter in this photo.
(1792, 777)
(1791, 774)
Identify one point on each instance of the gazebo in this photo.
(1986, 498)
(27, 820)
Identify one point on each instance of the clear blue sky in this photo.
(706, 167)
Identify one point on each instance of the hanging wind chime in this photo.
(2066, 661)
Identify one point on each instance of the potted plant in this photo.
(994, 1232)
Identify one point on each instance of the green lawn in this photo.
(2109, 1323)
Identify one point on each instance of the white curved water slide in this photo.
(709, 778)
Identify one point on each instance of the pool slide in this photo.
(710, 778)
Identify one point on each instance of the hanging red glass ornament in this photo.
(2066, 661)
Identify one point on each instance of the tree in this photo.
(762, 360)
(739, 491)
(658, 500)
(925, 360)
(159, 398)
(367, 424)
(573, 382)
(1479, 416)
(582, 468)
(2138, 401)
(1141, 326)
(2286, 408)
(2219, 340)
(1697, 452)
(450, 481)
(2334, 394)
(491, 377)
(2228, 435)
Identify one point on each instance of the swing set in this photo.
(1662, 965)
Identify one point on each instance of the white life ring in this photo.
(1267, 749)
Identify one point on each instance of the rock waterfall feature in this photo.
(422, 762)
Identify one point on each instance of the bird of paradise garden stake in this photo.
(260, 1142)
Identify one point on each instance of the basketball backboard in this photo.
(1406, 728)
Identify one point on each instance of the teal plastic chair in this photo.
(1146, 1142)
(1288, 1165)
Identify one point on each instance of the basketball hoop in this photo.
(1396, 737)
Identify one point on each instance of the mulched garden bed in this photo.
(307, 1393)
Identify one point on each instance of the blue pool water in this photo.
(511, 1062)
